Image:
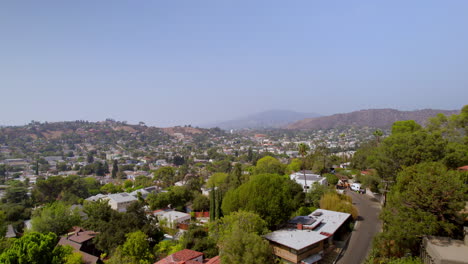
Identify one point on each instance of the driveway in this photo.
(367, 226)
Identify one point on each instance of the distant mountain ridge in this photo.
(379, 118)
(266, 119)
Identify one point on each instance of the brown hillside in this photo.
(379, 118)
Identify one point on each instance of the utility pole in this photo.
(385, 191)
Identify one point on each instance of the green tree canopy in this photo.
(113, 226)
(35, 248)
(216, 179)
(166, 175)
(271, 196)
(338, 202)
(238, 238)
(57, 218)
(137, 247)
(269, 164)
(425, 201)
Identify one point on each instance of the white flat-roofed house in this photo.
(310, 179)
(120, 201)
(173, 218)
(117, 201)
(306, 236)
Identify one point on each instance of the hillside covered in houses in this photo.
(118, 193)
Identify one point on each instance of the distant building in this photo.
(172, 218)
(310, 179)
(145, 191)
(444, 250)
(120, 201)
(117, 201)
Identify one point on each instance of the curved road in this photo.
(367, 226)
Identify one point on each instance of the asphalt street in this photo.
(367, 226)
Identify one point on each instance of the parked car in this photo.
(356, 187)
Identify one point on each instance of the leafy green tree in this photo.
(338, 202)
(378, 134)
(314, 195)
(143, 181)
(217, 179)
(223, 166)
(115, 168)
(201, 203)
(35, 248)
(137, 247)
(294, 166)
(16, 194)
(250, 154)
(425, 201)
(197, 238)
(271, 196)
(2, 224)
(111, 188)
(269, 164)
(113, 226)
(242, 247)
(70, 189)
(234, 178)
(167, 247)
(90, 158)
(74, 258)
(407, 126)
(166, 175)
(57, 218)
(332, 179)
(303, 149)
(239, 238)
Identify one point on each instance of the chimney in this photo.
(465, 232)
(299, 226)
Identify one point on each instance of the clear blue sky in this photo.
(192, 62)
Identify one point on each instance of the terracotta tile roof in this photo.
(464, 168)
(185, 256)
(215, 260)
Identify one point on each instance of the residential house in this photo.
(120, 201)
(306, 237)
(310, 179)
(145, 191)
(117, 201)
(81, 241)
(172, 218)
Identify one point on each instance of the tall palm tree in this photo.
(303, 148)
(377, 134)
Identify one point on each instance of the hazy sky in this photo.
(191, 62)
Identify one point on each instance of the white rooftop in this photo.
(294, 238)
(331, 220)
(174, 215)
(326, 222)
(121, 197)
(96, 197)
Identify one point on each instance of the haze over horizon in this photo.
(186, 62)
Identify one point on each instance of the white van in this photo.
(356, 187)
